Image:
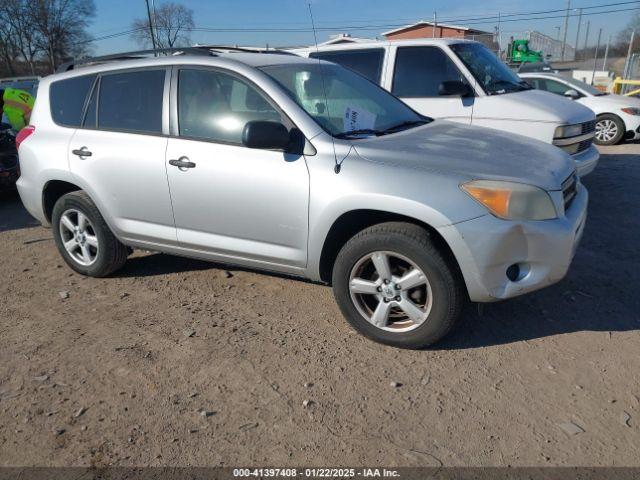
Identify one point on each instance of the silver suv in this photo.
(298, 166)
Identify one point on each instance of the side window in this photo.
(67, 97)
(419, 71)
(555, 87)
(131, 101)
(216, 106)
(367, 63)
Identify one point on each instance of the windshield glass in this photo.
(590, 90)
(342, 102)
(490, 72)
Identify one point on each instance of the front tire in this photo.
(83, 238)
(609, 130)
(396, 287)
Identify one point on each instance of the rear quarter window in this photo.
(67, 99)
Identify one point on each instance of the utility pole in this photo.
(155, 23)
(595, 58)
(499, 38)
(153, 37)
(586, 37)
(627, 63)
(578, 34)
(566, 27)
(606, 54)
(557, 27)
(435, 23)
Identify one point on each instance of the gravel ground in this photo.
(181, 362)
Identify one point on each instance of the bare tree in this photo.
(25, 39)
(173, 24)
(62, 26)
(624, 37)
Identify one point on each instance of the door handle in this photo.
(82, 152)
(182, 162)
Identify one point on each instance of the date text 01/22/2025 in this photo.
(315, 472)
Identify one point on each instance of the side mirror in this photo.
(572, 94)
(266, 135)
(452, 88)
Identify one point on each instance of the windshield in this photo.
(590, 90)
(489, 71)
(342, 102)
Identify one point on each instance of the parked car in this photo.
(9, 166)
(618, 116)
(463, 81)
(9, 169)
(282, 163)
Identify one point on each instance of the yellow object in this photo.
(616, 86)
(17, 107)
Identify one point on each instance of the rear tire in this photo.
(414, 317)
(610, 130)
(83, 238)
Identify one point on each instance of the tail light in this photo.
(24, 134)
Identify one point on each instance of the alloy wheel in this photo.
(390, 291)
(606, 130)
(79, 237)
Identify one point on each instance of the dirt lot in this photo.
(176, 362)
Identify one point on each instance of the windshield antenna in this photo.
(324, 89)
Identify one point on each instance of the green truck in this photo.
(519, 52)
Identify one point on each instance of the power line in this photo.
(469, 21)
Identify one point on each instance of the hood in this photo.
(470, 153)
(539, 106)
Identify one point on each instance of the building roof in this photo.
(424, 23)
(344, 38)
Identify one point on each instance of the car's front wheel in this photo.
(396, 287)
(83, 237)
(609, 130)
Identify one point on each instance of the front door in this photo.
(416, 78)
(233, 202)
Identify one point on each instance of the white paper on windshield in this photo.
(356, 118)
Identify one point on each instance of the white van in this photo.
(463, 81)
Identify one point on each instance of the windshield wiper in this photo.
(404, 125)
(362, 131)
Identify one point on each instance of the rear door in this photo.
(118, 153)
(232, 202)
(418, 72)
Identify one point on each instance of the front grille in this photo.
(579, 147)
(588, 127)
(569, 190)
(585, 144)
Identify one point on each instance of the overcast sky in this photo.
(377, 16)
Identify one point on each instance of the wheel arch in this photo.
(51, 193)
(351, 222)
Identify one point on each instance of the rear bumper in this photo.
(487, 246)
(586, 161)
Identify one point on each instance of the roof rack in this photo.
(72, 65)
(228, 48)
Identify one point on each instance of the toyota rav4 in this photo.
(298, 166)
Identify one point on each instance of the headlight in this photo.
(567, 131)
(631, 110)
(512, 201)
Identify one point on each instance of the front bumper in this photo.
(485, 247)
(586, 161)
